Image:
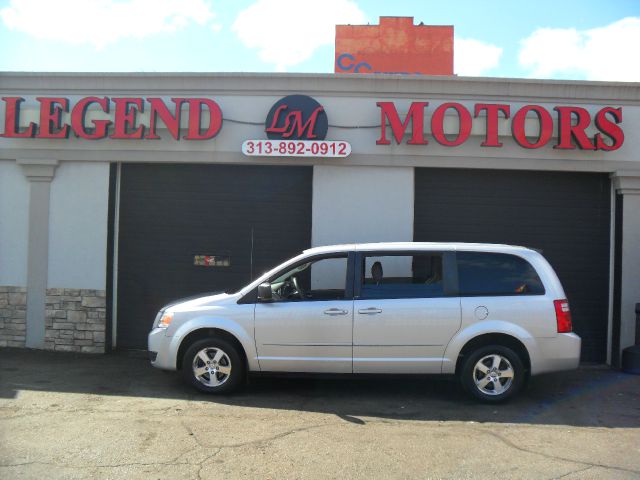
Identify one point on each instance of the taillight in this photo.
(563, 315)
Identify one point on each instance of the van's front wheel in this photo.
(493, 373)
(213, 365)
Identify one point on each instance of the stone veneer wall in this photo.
(75, 319)
(13, 316)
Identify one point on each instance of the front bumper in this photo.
(160, 345)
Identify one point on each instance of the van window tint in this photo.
(402, 276)
(496, 274)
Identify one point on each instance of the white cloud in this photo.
(287, 32)
(473, 57)
(605, 53)
(100, 22)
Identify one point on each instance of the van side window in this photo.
(489, 274)
(402, 276)
(320, 279)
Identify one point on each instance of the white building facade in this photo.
(121, 192)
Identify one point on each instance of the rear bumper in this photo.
(556, 354)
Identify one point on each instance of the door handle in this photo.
(369, 311)
(335, 311)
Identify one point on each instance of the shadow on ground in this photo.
(591, 396)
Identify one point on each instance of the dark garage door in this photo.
(170, 213)
(566, 215)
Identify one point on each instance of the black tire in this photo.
(231, 358)
(481, 386)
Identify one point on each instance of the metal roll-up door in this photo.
(566, 215)
(249, 218)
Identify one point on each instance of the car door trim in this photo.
(399, 345)
(309, 344)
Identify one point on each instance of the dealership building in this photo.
(122, 192)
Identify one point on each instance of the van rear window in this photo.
(490, 274)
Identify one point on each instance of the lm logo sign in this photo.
(297, 117)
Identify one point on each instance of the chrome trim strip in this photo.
(397, 360)
(307, 359)
(403, 345)
(346, 345)
(306, 345)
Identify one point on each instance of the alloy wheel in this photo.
(211, 367)
(493, 374)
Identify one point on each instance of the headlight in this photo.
(165, 320)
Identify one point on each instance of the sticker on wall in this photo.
(212, 261)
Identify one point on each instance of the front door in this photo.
(403, 316)
(308, 325)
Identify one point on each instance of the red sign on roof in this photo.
(394, 46)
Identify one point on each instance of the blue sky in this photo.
(586, 39)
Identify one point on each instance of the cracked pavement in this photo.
(114, 416)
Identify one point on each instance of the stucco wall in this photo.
(361, 204)
(14, 224)
(78, 226)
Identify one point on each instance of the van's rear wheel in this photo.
(213, 365)
(493, 373)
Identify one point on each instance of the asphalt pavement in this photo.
(114, 416)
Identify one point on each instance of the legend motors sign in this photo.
(297, 125)
(123, 125)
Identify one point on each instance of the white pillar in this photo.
(39, 172)
(627, 183)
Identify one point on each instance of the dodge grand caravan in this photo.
(490, 314)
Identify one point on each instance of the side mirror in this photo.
(264, 292)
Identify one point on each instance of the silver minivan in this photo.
(491, 314)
